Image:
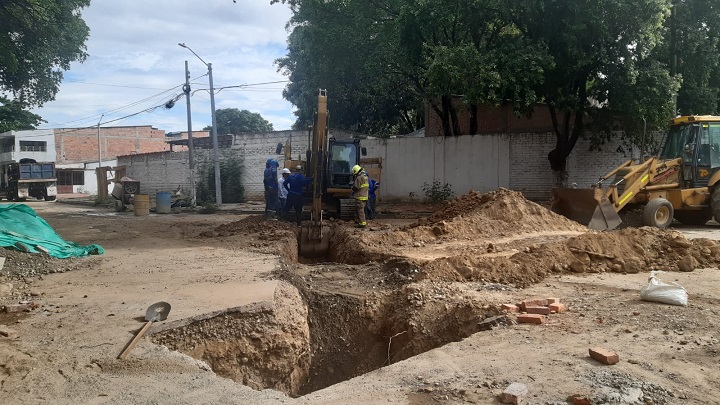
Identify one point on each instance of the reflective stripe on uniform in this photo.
(361, 198)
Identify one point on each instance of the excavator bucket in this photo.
(586, 206)
(313, 242)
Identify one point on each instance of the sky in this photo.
(135, 63)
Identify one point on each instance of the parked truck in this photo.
(28, 178)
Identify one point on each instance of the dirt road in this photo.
(397, 320)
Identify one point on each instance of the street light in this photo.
(216, 160)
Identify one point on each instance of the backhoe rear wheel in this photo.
(715, 202)
(658, 213)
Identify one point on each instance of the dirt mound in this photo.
(469, 221)
(628, 251)
(498, 213)
(253, 224)
(260, 235)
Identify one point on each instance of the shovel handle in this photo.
(135, 340)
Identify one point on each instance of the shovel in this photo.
(156, 312)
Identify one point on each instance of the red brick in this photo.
(510, 308)
(531, 318)
(537, 310)
(533, 303)
(579, 400)
(553, 300)
(557, 307)
(7, 332)
(604, 356)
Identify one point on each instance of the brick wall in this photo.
(491, 120)
(168, 171)
(517, 161)
(254, 150)
(76, 145)
(159, 171)
(530, 170)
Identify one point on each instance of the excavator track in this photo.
(347, 209)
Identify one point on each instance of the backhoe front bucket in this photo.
(314, 241)
(587, 206)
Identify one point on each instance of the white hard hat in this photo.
(285, 171)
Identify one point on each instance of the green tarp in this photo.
(22, 229)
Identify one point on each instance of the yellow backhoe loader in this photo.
(681, 183)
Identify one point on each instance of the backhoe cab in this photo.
(680, 183)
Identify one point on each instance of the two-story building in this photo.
(28, 179)
(36, 144)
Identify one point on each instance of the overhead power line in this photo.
(166, 104)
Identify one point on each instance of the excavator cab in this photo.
(342, 156)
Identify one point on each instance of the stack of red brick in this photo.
(535, 310)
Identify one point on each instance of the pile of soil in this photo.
(630, 250)
(474, 219)
(498, 213)
(500, 237)
(253, 224)
(20, 268)
(260, 235)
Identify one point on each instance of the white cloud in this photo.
(134, 55)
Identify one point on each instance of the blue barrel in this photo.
(162, 202)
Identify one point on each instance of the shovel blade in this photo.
(157, 312)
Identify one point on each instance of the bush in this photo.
(437, 192)
(208, 208)
(230, 174)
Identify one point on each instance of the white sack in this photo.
(657, 291)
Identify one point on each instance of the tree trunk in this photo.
(558, 165)
(447, 131)
(473, 119)
(567, 136)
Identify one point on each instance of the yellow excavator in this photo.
(682, 182)
(314, 239)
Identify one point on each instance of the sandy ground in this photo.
(66, 349)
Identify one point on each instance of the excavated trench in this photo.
(328, 322)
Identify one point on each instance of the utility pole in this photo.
(216, 158)
(99, 148)
(218, 192)
(186, 90)
(101, 174)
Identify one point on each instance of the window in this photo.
(709, 152)
(7, 145)
(342, 157)
(33, 146)
(70, 178)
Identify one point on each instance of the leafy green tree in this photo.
(348, 49)
(692, 50)
(593, 63)
(14, 116)
(602, 54)
(383, 62)
(234, 121)
(38, 41)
